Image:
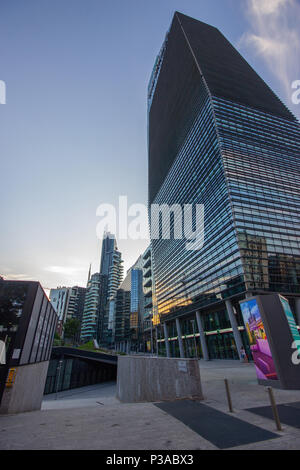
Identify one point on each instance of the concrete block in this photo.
(27, 392)
(150, 379)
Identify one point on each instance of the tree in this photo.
(71, 328)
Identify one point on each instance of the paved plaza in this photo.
(92, 418)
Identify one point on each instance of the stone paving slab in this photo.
(93, 395)
(125, 427)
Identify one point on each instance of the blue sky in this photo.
(74, 126)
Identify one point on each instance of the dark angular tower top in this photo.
(226, 72)
(196, 56)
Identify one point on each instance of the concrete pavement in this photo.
(92, 418)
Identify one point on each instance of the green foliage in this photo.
(57, 342)
(71, 328)
(89, 346)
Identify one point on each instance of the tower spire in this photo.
(89, 275)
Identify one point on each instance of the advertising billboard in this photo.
(260, 349)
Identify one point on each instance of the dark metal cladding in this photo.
(227, 74)
(192, 48)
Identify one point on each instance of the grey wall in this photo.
(26, 394)
(150, 379)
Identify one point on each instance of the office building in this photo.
(126, 320)
(218, 136)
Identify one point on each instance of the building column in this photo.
(234, 326)
(156, 340)
(167, 340)
(202, 337)
(179, 334)
(297, 308)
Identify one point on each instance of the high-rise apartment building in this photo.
(76, 302)
(111, 264)
(150, 316)
(220, 137)
(59, 299)
(111, 270)
(68, 302)
(91, 308)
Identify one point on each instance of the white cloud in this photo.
(274, 35)
(268, 7)
(65, 270)
(18, 277)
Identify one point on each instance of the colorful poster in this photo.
(260, 349)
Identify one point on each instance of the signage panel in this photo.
(260, 349)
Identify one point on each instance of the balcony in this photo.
(148, 272)
(148, 283)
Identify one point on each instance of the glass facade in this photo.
(122, 315)
(218, 136)
(261, 161)
(183, 276)
(136, 299)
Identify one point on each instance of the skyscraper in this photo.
(121, 314)
(91, 308)
(219, 136)
(111, 271)
(137, 306)
(126, 311)
(111, 263)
